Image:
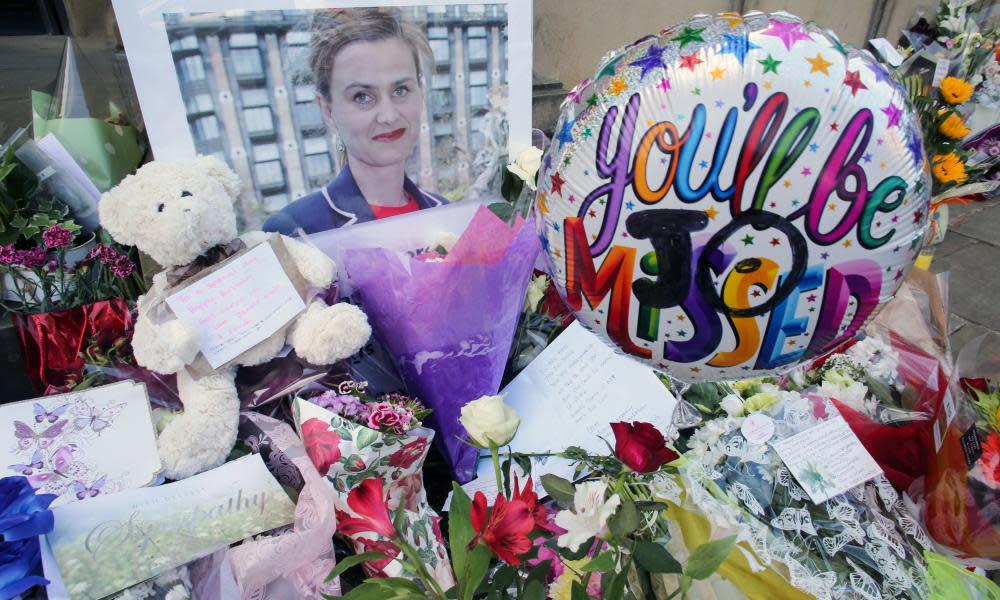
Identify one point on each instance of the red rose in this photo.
(641, 446)
(322, 444)
(408, 454)
(974, 383)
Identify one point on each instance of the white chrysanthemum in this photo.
(177, 593)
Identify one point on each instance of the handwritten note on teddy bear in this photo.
(240, 305)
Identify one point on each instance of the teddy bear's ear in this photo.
(114, 214)
(221, 172)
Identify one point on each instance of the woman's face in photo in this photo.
(375, 101)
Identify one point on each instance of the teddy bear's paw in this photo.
(326, 334)
(316, 268)
(165, 348)
(192, 443)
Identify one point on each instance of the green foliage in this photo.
(707, 558)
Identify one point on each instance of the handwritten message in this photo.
(240, 305)
(827, 460)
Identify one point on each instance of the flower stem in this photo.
(417, 563)
(495, 455)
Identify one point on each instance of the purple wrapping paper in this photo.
(449, 324)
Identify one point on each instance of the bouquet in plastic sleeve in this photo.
(371, 452)
(962, 489)
(449, 317)
(289, 562)
(861, 543)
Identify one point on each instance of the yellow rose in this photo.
(953, 127)
(760, 401)
(489, 421)
(526, 165)
(955, 90)
(949, 168)
(536, 291)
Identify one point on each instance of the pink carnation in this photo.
(57, 237)
(8, 255)
(32, 259)
(388, 417)
(122, 267)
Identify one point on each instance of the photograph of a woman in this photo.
(367, 67)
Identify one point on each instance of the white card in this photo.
(827, 460)
(72, 444)
(887, 50)
(240, 305)
(572, 392)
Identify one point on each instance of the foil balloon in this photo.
(733, 196)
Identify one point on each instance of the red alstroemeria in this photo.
(539, 514)
(506, 530)
(367, 501)
(989, 461)
(322, 444)
(376, 568)
(408, 454)
(641, 447)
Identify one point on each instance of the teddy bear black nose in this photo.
(185, 194)
(160, 207)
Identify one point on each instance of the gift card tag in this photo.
(827, 460)
(972, 446)
(758, 428)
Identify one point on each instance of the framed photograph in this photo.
(238, 79)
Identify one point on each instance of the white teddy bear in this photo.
(176, 211)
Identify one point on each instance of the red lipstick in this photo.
(391, 136)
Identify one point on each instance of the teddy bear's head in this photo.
(173, 210)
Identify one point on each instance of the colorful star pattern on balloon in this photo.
(893, 112)
(717, 73)
(738, 45)
(819, 64)
(650, 62)
(853, 80)
(770, 64)
(690, 61)
(789, 33)
(617, 86)
(565, 135)
(609, 69)
(557, 183)
(690, 35)
(664, 84)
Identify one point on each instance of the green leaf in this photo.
(582, 551)
(649, 505)
(625, 520)
(560, 489)
(615, 588)
(578, 591)
(366, 437)
(392, 588)
(602, 563)
(706, 558)
(357, 559)
(479, 563)
(503, 210)
(654, 558)
(534, 590)
(460, 531)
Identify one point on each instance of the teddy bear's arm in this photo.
(317, 268)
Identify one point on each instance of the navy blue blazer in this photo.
(339, 203)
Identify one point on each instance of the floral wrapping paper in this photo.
(859, 544)
(347, 454)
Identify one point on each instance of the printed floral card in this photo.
(71, 445)
(112, 542)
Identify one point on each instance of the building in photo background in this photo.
(249, 99)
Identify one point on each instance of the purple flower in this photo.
(51, 265)
(95, 252)
(32, 259)
(57, 237)
(106, 254)
(122, 267)
(344, 405)
(8, 255)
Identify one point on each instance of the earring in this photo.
(340, 146)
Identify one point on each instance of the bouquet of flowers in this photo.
(962, 489)
(857, 544)
(357, 442)
(448, 316)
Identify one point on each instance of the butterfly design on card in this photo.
(60, 465)
(42, 415)
(863, 584)
(83, 491)
(888, 494)
(739, 447)
(794, 519)
(912, 528)
(889, 536)
(895, 576)
(794, 490)
(819, 585)
(91, 418)
(36, 464)
(27, 437)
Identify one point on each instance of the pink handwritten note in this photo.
(240, 305)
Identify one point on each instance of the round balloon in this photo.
(733, 196)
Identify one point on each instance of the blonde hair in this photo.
(334, 29)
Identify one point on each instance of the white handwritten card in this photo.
(71, 444)
(240, 305)
(827, 460)
(112, 542)
(572, 392)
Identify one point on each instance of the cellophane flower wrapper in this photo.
(449, 322)
(290, 562)
(859, 544)
(961, 493)
(51, 343)
(354, 453)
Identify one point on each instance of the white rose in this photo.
(536, 291)
(526, 165)
(733, 405)
(489, 420)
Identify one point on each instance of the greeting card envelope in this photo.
(82, 444)
(111, 542)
